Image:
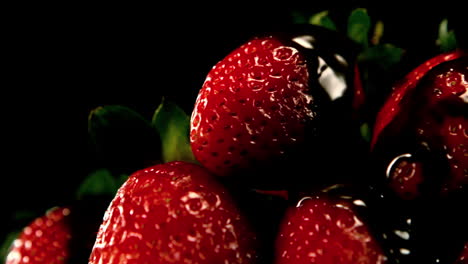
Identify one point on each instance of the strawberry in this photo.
(173, 213)
(64, 234)
(463, 258)
(45, 240)
(405, 176)
(420, 133)
(393, 105)
(272, 98)
(324, 230)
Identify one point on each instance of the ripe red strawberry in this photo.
(63, 235)
(421, 132)
(321, 230)
(264, 101)
(45, 240)
(393, 105)
(173, 213)
(405, 176)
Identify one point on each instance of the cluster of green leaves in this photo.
(359, 28)
(125, 141)
(375, 58)
(368, 35)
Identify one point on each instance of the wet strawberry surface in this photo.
(173, 213)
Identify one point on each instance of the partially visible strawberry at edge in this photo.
(463, 258)
(420, 134)
(324, 231)
(173, 213)
(65, 234)
(45, 240)
(392, 106)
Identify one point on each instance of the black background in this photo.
(63, 60)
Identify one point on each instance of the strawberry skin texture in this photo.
(252, 104)
(173, 213)
(280, 101)
(45, 240)
(452, 86)
(393, 105)
(406, 178)
(323, 231)
(429, 124)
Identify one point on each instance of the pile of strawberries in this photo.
(278, 170)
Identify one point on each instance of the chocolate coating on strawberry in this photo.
(173, 213)
(262, 104)
(394, 103)
(427, 120)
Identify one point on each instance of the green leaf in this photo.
(173, 125)
(124, 140)
(366, 133)
(378, 32)
(100, 182)
(385, 55)
(5, 246)
(447, 40)
(359, 24)
(322, 19)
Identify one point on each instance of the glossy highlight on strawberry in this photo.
(420, 157)
(322, 230)
(45, 240)
(269, 83)
(173, 213)
(424, 125)
(393, 105)
(275, 98)
(65, 234)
